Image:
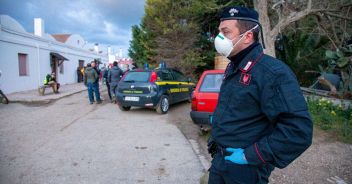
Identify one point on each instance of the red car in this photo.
(205, 96)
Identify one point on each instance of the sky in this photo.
(97, 21)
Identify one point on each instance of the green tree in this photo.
(173, 23)
(142, 46)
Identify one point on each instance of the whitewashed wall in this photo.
(14, 39)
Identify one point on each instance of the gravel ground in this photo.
(71, 142)
(326, 161)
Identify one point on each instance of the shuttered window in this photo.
(22, 64)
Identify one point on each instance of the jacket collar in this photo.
(252, 54)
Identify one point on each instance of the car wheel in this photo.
(125, 108)
(163, 105)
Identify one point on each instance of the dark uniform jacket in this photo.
(114, 75)
(262, 110)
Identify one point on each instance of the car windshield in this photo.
(211, 83)
(137, 77)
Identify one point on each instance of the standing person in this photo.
(79, 75)
(261, 120)
(105, 76)
(134, 66)
(96, 83)
(114, 76)
(90, 76)
(127, 66)
(82, 72)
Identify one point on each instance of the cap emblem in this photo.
(233, 11)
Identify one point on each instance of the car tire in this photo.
(124, 108)
(163, 105)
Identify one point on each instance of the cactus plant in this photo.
(341, 60)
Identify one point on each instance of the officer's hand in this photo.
(237, 156)
(211, 119)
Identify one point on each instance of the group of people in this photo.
(112, 75)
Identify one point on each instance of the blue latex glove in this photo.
(211, 119)
(237, 156)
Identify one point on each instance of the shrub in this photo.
(335, 119)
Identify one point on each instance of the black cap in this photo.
(241, 13)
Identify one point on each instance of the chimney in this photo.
(96, 48)
(39, 27)
(109, 50)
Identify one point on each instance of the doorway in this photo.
(80, 71)
(53, 64)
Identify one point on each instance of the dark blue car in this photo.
(154, 89)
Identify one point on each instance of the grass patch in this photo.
(332, 119)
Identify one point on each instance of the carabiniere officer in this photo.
(261, 120)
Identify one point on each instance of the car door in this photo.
(168, 84)
(183, 91)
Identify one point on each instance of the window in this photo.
(22, 64)
(211, 83)
(137, 77)
(179, 76)
(165, 75)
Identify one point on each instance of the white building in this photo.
(27, 58)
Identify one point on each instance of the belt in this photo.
(222, 150)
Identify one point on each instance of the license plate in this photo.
(132, 98)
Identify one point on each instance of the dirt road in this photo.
(70, 141)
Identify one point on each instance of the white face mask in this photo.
(224, 45)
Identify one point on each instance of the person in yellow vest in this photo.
(51, 81)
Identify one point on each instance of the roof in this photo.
(58, 56)
(61, 37)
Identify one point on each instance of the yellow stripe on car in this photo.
(173, 82)
(129, 91)
(177, 90)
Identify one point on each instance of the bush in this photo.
(335, 119)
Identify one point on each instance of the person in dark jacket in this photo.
(261, 120)
(96, 83)
(90, 77)
(105, 76)
(114, 76)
